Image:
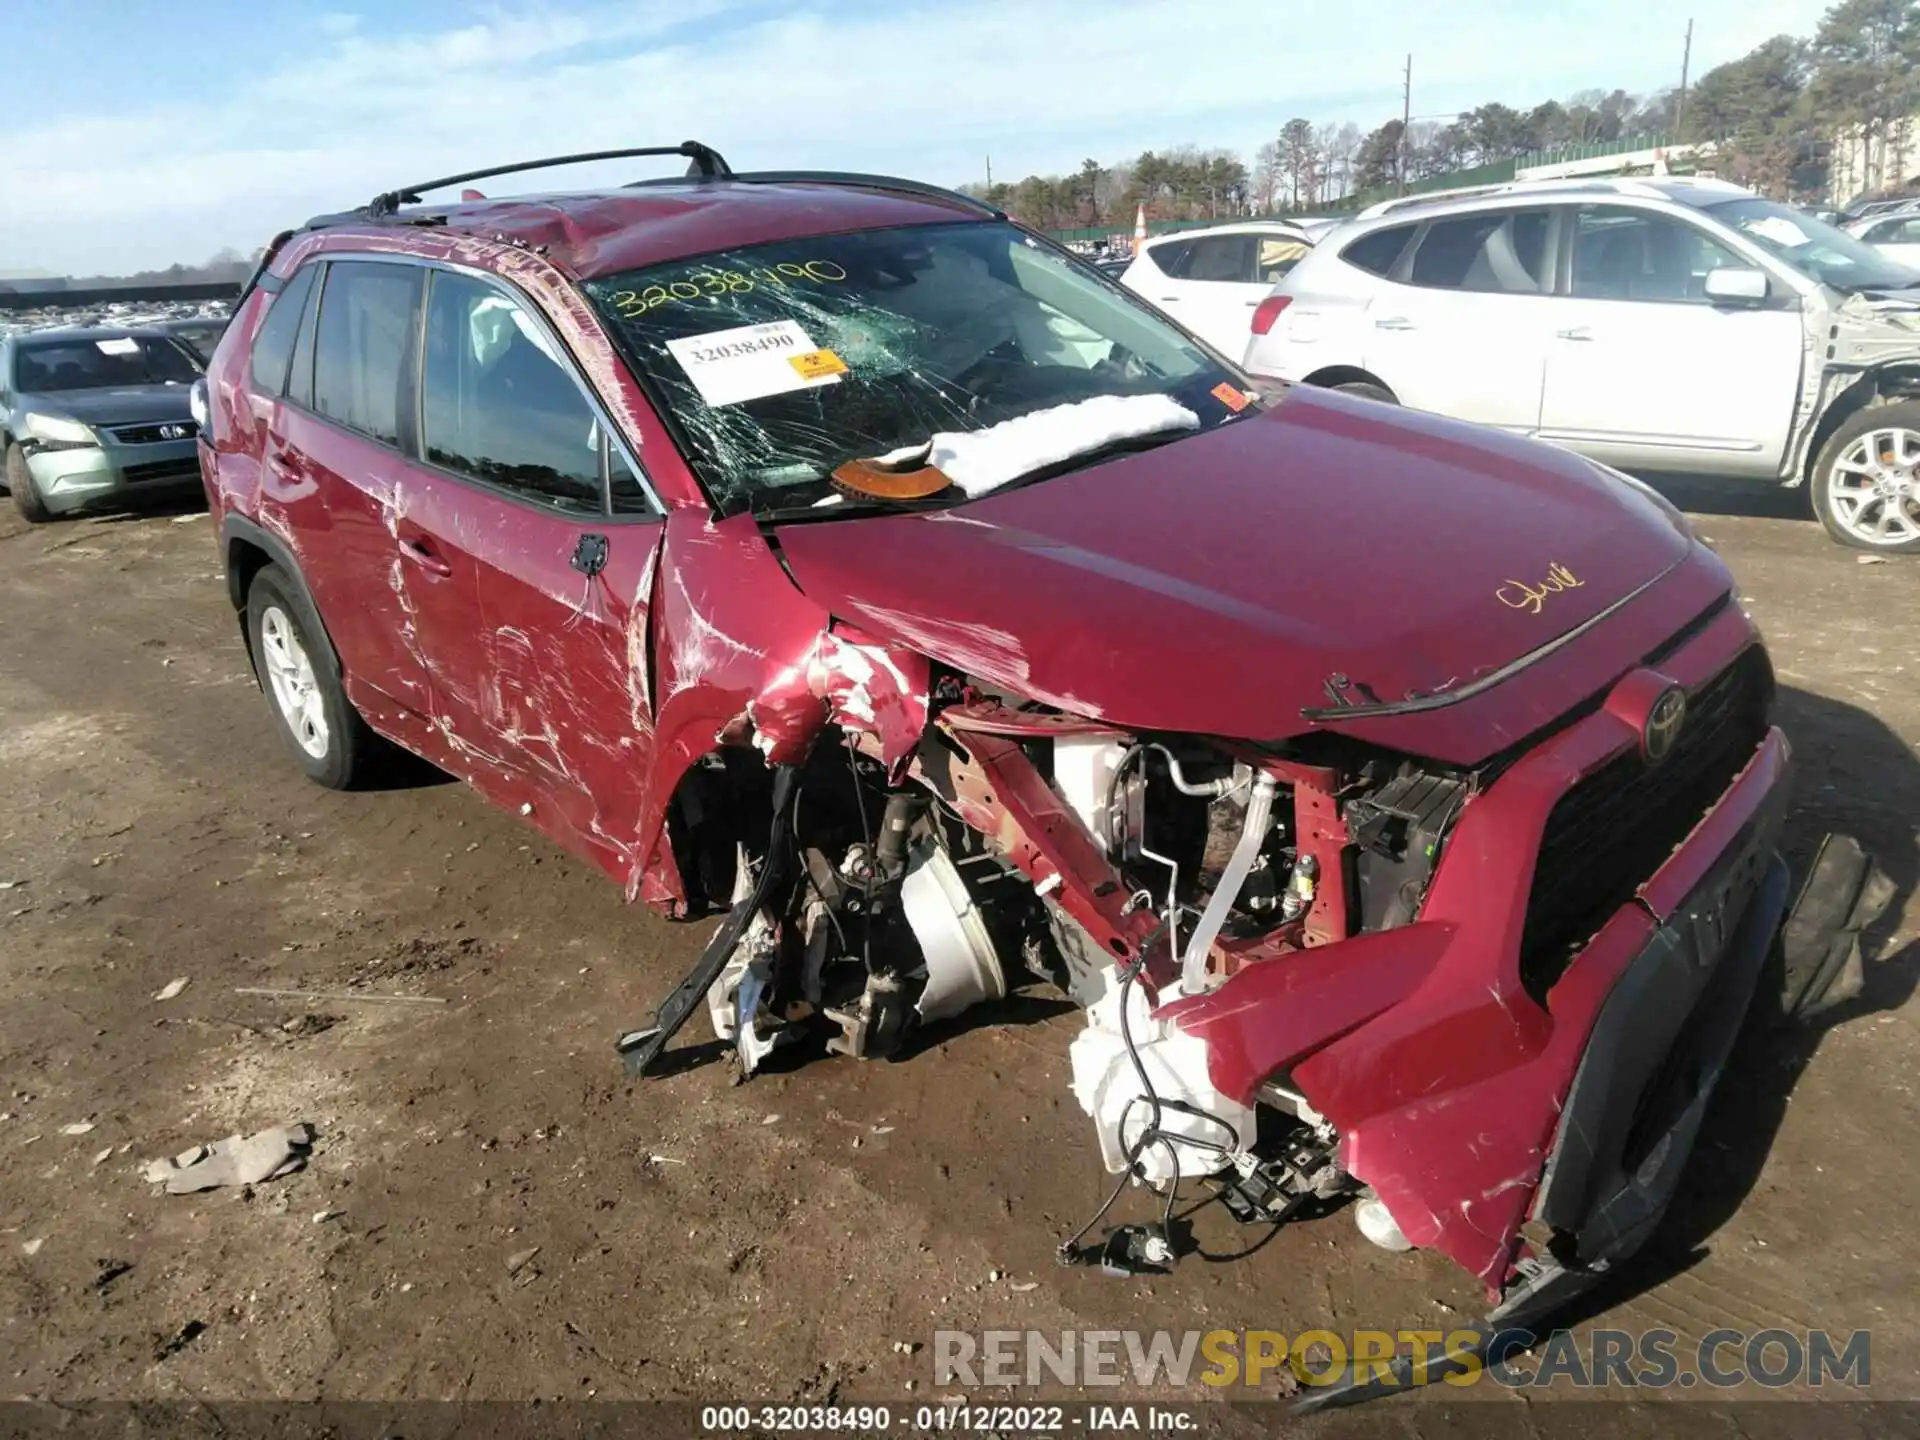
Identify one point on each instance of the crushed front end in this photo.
(1487, 1001)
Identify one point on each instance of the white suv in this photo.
(1655, 325)
(1212, 280)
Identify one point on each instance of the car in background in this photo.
(1859, 211)
(1895, 234)
(199, 333)
(1211, 280)
(1660, 326)
(97, 416)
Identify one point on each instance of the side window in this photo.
(1277, 255)
(1379, 252)
(1499, 252)
(1221, 257)
(360, 345)
(1623, 254)
(629, 494)
(1170, 257)
(1904, 230)
(499, 405)
(273, 341)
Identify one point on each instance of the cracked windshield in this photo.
(904, 348)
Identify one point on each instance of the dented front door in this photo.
(557, 533)
(564, 652)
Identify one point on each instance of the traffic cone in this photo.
(1139, 228)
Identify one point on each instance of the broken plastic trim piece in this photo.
(641, 1049)
(1844, 893)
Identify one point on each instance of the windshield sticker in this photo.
(1229, 397)
(119, 345)
(820, 362)
(707, 282)
(751, 362)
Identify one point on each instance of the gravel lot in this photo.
(697, 1238)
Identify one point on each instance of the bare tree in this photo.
(1268, 171)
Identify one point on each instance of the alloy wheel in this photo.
(290, 677)
(1874, 487)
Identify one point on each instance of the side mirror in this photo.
(1737, 284)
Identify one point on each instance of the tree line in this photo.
(1773, 115)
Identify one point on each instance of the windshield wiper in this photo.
(851, 507)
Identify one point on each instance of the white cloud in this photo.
(925, 90)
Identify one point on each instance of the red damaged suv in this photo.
(1398, 797)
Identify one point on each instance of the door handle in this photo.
(1577, 332)
(1394, 322)
(420, 555)
(1169, 299)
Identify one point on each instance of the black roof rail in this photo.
(707, 163)
(848, 178)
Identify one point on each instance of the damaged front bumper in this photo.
(1654, 1055)
(1445, 1066)
(68, 480)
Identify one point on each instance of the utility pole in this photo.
(1686, 62)
(989, 172)
(1406, 119)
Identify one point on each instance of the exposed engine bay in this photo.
(877, 904)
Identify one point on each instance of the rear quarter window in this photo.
(1378, 252)
(273, 341)
(1171, 256)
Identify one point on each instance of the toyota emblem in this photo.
(1662, 729)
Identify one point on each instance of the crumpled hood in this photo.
(1216, 584)
(122, 405)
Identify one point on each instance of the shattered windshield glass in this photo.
(784, 362)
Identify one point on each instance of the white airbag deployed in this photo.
(982, 460)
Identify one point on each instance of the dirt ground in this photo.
(782, 1239)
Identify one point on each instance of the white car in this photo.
(1211, 280)
(1895, 235)
(1655, 325)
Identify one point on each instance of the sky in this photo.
(137, 133)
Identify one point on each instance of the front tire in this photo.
(26, 499)
(1866, 483)
(325, 734)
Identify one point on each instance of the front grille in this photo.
(156, 433)
(152, 470)
(1611, 831)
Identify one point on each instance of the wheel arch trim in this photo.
(236, 531)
